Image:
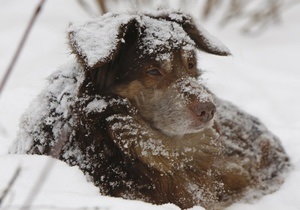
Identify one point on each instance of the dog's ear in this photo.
(203, 40)
(98, 43)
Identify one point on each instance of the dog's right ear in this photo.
(203, 40)
(99, 42)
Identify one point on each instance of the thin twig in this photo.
(10, 184)
(38, 184)
(87, 8)
(55, 152)
(102, 6)
(20, 46)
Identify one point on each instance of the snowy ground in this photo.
(263, 78)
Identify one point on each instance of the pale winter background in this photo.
(262, 77)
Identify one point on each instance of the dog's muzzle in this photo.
(199, 99)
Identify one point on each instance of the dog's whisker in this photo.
(137, 101)
(142, 96)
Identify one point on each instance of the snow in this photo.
(73, 191)
(190, 86)
(97, 105)
(162, 32)
(262, 77)
(212, 41)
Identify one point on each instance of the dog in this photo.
(133, 113)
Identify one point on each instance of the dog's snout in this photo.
(204, 110)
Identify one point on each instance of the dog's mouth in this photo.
(187, 120)
(198, 124)
(191, 124)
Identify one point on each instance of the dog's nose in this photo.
(204, 110)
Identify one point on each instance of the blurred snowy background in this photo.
(262, 77)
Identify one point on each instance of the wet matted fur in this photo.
(133, 113)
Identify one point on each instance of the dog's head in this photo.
(151, 60)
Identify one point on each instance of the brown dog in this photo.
(133, 114)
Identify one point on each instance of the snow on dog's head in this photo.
(150, 59)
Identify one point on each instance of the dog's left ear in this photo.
(96, 42)
(99, 44)
(203, 40)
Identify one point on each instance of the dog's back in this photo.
(50, 113)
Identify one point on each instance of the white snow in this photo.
(158, 36)
(97, 105)
(262, 77)
(191, 86)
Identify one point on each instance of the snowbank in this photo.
(64, 186)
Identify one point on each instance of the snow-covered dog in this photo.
(134, 115)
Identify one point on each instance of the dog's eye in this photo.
(191, 65)
(154, 71)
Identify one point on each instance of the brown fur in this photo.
(159, 143)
